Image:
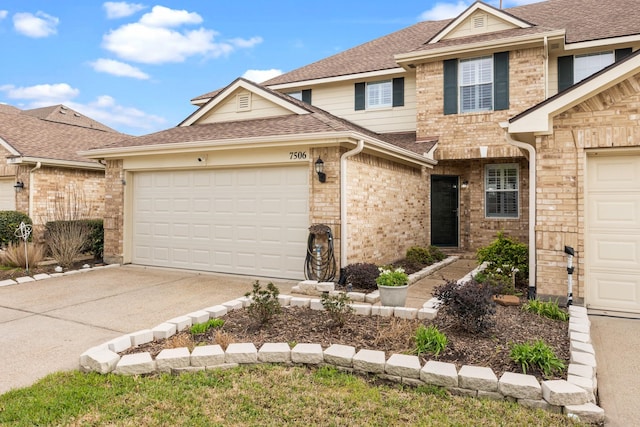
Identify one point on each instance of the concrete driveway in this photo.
(46, 325)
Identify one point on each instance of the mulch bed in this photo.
(390, 334)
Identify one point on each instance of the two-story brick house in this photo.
(429, 135)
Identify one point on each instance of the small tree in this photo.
(264, 302)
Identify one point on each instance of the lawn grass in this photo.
(264, 395)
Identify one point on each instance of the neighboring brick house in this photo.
(43, 175)
(456, 91)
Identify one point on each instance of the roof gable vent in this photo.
(243, 101)
(479, 21)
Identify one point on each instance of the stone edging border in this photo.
(44, 276)
(574, 397)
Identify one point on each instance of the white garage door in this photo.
(7, 194)
(613, 233)
(243, 221)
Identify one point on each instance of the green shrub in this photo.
(362, 275)
(429, 340)
(549, 309)
(264, 302)
(338, 308)
(201, 328)
(95, 244)
(503, 257)
(424, 256)
(9, 223)
(537, 355)
(470, 303)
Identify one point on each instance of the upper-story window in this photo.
(476, 84)
(379, 94)
(302, 95)
(573, 69)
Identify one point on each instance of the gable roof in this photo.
(306, 123)
(63, 114)
(580, 21)
(539, 118)
(30, 136)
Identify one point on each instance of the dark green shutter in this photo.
(501, 81)
(306, 96)
(565, 72)
(360, 88)
(623, 53)
(451, 86)
(398, 92)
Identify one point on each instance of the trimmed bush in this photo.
(504, 256)
(471, 304)
(424, 256)
(9, 223)
(362, 275)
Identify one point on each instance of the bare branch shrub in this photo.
(14, 255)
(66, 235)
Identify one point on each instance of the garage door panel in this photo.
(247, 221)
(611, 211)
(612, 239)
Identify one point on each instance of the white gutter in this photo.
(343, 201)
(532, 206)
(31, 186)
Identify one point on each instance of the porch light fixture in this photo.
(322, 177)
(464, 185)
(19, 186)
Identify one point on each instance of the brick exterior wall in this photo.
(386, 209)
(461, 135)
(114, 212)
(608, 120)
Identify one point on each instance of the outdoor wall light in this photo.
(19, 186)
(464, 185)
(322, 177)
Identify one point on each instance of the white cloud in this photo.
(48, 94)
(238, 42)
(154, 39)
(38, 25)
(121, 9)
(260, 76)
(444, 11)
(3, 14)
(161, 16)
(447, 10)
(106, 110)
(118, 68)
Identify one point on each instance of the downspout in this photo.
(31, 185)
(343, 201)
(532, 209)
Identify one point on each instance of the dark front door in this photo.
(444, 210)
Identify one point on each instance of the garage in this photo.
(612, 236)
(251, 221)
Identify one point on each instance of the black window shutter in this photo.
(565, 72)
(398, 92)
(306, 96)
(451, 86)
(360, 88)
(501, 81)
(622, 53)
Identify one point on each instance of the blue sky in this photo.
(135, 66)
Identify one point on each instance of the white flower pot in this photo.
(393, 296)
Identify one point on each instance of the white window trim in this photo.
(502, 166)
(383, 84)
(461, 110)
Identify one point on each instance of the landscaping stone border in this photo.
(575, 397)
(43, 276)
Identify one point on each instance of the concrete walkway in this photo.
(617, 345)
(421, 291)
(46, 325)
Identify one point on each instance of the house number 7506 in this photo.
(297, 155)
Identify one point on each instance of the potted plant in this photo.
(393, 284)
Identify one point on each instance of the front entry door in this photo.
(444, 210)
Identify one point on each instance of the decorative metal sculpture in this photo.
(24, 232)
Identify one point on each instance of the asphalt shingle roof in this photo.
(31, 135)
